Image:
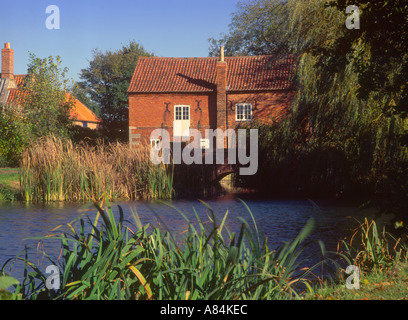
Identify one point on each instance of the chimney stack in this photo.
(221, 82)
(7, 62)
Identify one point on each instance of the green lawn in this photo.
(9, 183)
(390, 285)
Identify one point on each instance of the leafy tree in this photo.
(43, 109)
(45, 102)
(275, 26)
(383, 66)
(106, 80)
(258, 27)
(378, 52)
(349, 109)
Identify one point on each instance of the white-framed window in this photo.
(181, 121)
(243, 112)
(205, 143)
(178, 113)
(155, 143)
(181, 112)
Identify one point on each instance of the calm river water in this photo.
(279, 220)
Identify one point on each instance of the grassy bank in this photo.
(9, 184)
(389, 285)
(381, 257)
(116, 259)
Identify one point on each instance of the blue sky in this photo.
(172, 28)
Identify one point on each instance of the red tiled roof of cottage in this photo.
(250, 73)
(19, 79)
(16, 96)
(80, 112)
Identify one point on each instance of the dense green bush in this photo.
(14, 137)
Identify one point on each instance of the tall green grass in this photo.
(52, 169)
(108, 258)
(374, 249)
(381, 254)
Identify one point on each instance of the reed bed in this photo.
(52, 169)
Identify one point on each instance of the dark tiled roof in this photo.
(155, 75)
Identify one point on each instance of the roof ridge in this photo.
(192, 58)
(198, 74)
(226, 57)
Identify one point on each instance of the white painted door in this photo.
(181, 121)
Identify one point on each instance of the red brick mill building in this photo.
(207, 93)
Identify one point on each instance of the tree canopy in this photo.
(275, 26)
(348, 122)
(106, 81)
(382, 66)
(43, 109)
(46, 103)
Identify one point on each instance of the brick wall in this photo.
(221, 83)
(148, 111)
(266, 106)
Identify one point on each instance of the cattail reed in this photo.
(52, 169)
